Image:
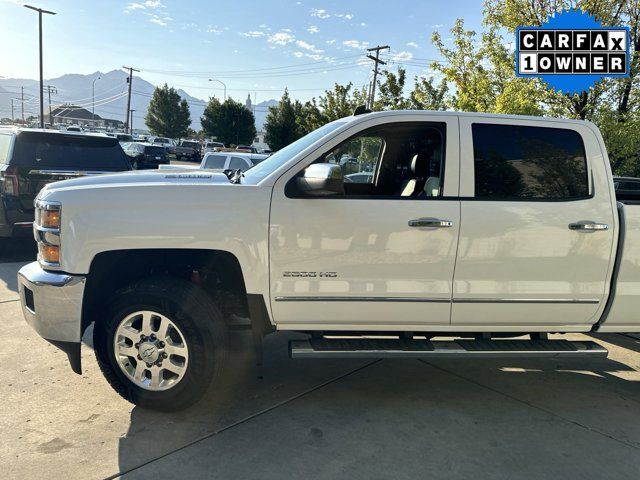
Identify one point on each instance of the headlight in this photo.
(46, 229)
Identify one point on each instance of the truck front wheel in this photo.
(160, 343)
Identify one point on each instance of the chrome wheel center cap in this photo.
(148, 352)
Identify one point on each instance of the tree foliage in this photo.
(168, 115)
(230, 122)
(334, 104)
(282, 125)
(476, 73)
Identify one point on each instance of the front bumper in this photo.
(52, 305)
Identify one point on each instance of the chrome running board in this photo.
(415, 348)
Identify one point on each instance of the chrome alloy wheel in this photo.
(151, 350)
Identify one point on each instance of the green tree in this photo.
(482, 70)
(427, 96)
(282, 125)
(230, 122)
(168, 115)
(391, 91)
(334, 104)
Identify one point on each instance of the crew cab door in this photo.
(382, 254)
(538, 226)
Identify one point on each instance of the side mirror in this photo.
(321, 179)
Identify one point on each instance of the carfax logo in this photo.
(572, 51)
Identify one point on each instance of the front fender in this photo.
(232, 218)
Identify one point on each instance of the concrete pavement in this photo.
(322, 419)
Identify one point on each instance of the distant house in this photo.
(75, 115)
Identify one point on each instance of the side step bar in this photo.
(414, 348)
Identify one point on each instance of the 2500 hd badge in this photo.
(311, 274)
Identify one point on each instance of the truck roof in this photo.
(428, 113)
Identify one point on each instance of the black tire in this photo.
(200, 322)
(178, 157)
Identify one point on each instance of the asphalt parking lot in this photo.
(406, 419)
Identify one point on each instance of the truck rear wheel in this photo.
(161, 343)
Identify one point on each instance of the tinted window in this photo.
(626, 185)
(190, 144)
(5, 145)
(238, 164)
(215, 161)
(53, 150)
(515, 162)
(155, 151)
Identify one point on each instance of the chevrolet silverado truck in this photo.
(473, 236)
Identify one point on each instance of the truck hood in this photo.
(155, 177)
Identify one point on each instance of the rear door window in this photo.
(215, 162)
(238, 163)
(528, 163)
(77, 152)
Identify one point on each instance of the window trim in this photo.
(588, 169)
(438, 125)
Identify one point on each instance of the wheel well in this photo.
(217, 272)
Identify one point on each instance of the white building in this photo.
(259, 141)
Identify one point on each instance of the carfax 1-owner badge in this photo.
(572, 51)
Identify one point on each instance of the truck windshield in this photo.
(276, 160)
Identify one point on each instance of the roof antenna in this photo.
(360, 110)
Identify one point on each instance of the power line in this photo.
(284, 73)
(247, 71)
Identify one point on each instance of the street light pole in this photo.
(223, 84)
(40, 12)
(93, 101)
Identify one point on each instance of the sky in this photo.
(253, 47)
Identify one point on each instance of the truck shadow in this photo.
(451, 396)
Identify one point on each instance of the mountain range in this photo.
(110, 97)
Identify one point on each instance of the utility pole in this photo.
(12, 109)
(126, 115)
(377, 61)
(22, 99)
(51, 89)
(93, 101)
(40, 12)
(131, 122)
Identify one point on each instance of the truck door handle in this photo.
(588, 226)
(430, 223)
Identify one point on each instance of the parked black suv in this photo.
(146, 155)
(32, 158)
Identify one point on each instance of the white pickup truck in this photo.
(472, 226)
